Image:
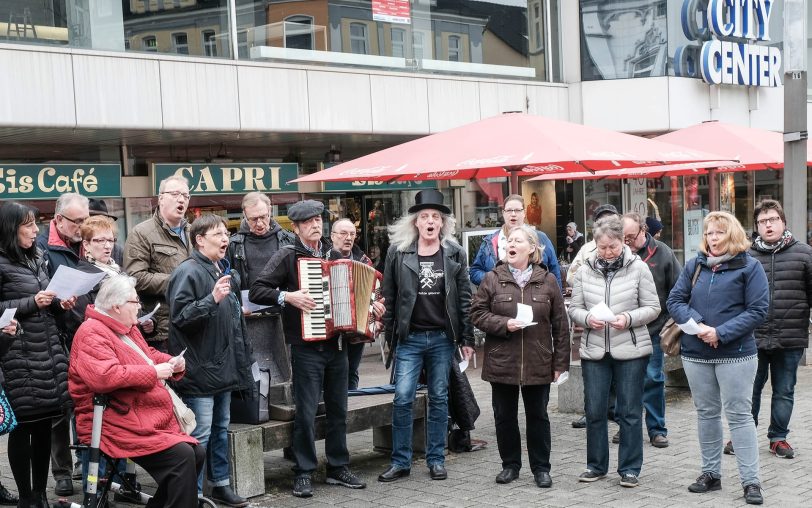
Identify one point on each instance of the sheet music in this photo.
(7, 316)
(68, 282)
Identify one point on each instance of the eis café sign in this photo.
(725, 50)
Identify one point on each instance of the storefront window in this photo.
(597, 193)
(623, 39)
(644, 38)
(186, 27)
(515, 39)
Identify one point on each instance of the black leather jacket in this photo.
(400, 283)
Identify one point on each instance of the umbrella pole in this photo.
(513, 178)
(713, 190)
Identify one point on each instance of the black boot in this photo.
(7, 498)
(39, 499)
(24, 502)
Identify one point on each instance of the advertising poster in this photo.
(392, 11)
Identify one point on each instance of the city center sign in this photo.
(728, 54)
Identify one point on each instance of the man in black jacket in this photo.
(784, 334)
(342, 234)
(317, 365)
(249, 250)
(428, 294)
(666, 270)
(61, 241)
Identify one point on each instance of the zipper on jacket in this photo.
(521, 354)
(607, 341)
(634, 336)
(448, 314)
(770, 316)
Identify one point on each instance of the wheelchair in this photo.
(98, 488)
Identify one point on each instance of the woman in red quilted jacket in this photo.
(110, 356)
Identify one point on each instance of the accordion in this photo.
(343, 291)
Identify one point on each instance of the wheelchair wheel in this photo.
(204, 502)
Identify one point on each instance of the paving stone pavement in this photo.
(663, 482)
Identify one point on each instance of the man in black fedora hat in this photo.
(428, 299)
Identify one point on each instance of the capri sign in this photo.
(724, 51)
(49, 181)
(232, 178)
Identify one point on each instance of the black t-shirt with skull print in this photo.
(429, 308)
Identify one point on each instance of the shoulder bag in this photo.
(670, 334)
(184, 415)
(8, 421)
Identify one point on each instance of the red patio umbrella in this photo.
(511, 144)
(754, 148)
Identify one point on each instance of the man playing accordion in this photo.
(317, 365)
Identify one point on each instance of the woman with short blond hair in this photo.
(728, 300)
(522, 357)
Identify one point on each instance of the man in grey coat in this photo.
(666, 270)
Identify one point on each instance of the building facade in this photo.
(241, 94)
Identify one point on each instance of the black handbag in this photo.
(462, 404)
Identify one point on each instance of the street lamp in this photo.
(795, 134)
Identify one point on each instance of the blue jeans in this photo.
(728, 385)
(213, 414)
(782, 365)
(319, 368)
(627, 376)
(431, 350)
(654, 391)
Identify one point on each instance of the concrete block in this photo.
(247, 465)
(571, 393)
(674, 373)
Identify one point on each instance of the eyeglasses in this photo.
(177, 193)
(629, 239)
(137, 301)
(768, 220)
(513, 211)
(345, 234)
(263, 218)
(78, 222)
(715, 233)
(103, 241)
(218, 234)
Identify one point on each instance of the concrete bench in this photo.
(247, 443)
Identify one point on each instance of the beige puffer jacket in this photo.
(629, 290)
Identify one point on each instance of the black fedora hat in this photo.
(429, 198)
(99, 207)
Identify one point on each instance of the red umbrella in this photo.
(510, 144)
(753, 148)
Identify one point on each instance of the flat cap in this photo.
(303, 210)
(604, 210)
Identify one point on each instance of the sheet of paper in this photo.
(146, 317)
(562, 378)
(690, 327)
(255, 371)
(524, 313)
(68, 282)
(7, 316)
(248, 305)
(602, 312)
(463, 365)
